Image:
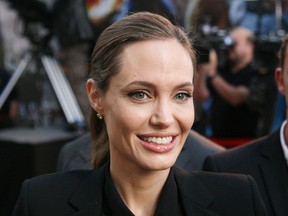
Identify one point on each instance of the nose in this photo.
(162, 114)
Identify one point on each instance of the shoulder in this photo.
(80, 143)
(250, 149)
(215, 182)
(212, 179)
(234, 160)
(60, 193)
(48, 194)
(66, 181)
(257, 147)
(75, 154)
(62, 181)
(246, 158)
(60, 186)
(230, 194)
(232, 182)
(198, 142)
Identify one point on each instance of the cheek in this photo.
(126, 118)
(186, 117)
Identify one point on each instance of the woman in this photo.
(140, 89)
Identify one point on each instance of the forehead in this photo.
(155, 59)
(239, 35)
(155, 50)
(165, 54)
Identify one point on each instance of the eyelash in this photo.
(136, 94)
(186, 95)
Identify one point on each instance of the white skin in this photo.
(151, 97)
(281, 76)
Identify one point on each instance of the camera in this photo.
(212, 38)
(31, 10)
(266, 48)
(36, 17)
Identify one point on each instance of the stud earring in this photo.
(99, 116)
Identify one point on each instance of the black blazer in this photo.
(79, 193)
(264, 161)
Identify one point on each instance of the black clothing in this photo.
(80, 193)
(263, 160)
(114, 205)
(229, 121)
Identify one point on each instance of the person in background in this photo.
(140, 89)
(268, 19)
(229, 88)
(265, 159)
(206, 18)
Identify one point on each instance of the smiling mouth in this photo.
(158, 140)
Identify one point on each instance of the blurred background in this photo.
(45, 48)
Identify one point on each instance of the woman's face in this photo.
(148, 108)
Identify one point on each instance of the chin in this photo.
(160, 164)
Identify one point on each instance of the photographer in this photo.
(229, 88)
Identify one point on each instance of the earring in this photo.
(99, 116)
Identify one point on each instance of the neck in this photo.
(139, 189)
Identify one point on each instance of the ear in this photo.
(94, 96)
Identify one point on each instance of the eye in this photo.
(139, 95)
(182, 96)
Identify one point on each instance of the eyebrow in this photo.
(150, 85)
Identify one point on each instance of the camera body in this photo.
(265, 47)
(36, 17)
(217, 39)
(31, 10)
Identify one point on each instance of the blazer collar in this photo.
(275, 173)
(195, 197)
(272, 145)
(87, 198)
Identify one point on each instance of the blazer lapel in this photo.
(91, 209)
(196, 210)
(194, 195)
(87, 198)
(275, 174)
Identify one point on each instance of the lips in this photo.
(158, 144)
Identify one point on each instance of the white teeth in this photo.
(158, 140)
